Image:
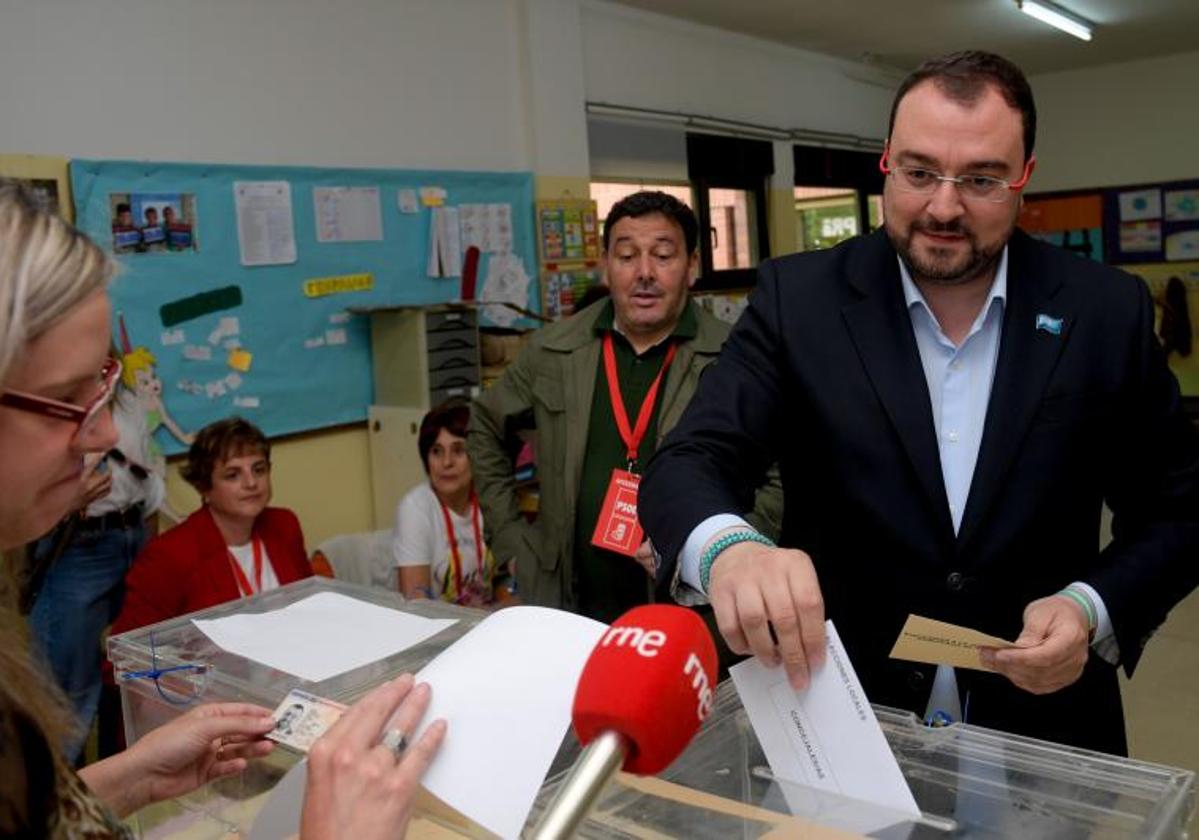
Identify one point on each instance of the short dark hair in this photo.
(453, 415)
(964, 76)
(219, 442)
(644, 203)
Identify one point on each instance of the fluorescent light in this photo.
(1056, 16)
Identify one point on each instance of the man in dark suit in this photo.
(951, 403)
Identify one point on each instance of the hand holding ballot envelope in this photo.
(1048, 655)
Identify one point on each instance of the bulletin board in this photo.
(1152, 223)
(235, 280)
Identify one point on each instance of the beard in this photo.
(943, 266)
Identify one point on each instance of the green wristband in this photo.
(1087, 607)
(713, 551)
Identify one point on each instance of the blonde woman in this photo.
(56, 381)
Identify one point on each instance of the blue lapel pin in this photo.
(1049, 324)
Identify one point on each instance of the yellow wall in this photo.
(323, 476)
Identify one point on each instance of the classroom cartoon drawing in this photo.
(140, 375)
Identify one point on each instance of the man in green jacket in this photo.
(593, 440)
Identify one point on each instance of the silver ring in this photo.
(396, 741)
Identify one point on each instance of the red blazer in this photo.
(187, 568)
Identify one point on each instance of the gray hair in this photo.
(47, 268)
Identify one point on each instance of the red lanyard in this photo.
(455, 555)
(632, 437)
(243, 584)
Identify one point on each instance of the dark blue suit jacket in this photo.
(823, 375)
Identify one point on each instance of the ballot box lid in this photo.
(176, 662)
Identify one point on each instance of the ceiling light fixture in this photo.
(1058, 17)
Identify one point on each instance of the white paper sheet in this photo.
(321, 636)
(449, 241)
(265, 231)
(488, 227)
(406, 199)
(170, 337)
(506, 689)
(246, 402)
(826, 737)
(1139, 205)
(347, 214)
(197, 352)
(506, 280)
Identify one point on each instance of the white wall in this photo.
(1120, 124)
(646, 60)
(413, 84)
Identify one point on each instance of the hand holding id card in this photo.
(302, 718)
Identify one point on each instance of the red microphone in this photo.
(643, 693)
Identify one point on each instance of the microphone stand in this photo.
(598, 763)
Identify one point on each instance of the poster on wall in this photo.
(1152, 223)
(45, 178)
(1073, 222)
(152, 222)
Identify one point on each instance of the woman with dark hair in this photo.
(438, 540)
(234, 546)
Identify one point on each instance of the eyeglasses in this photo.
(925, 181)
(85, 416)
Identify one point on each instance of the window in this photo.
(834, 189)
(825, 216)
(607, 193)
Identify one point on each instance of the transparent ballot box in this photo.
(968, 781)
(165, 669)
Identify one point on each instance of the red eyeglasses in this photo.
(925, 181)
(84, 416)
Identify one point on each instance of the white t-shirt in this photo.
(420, 539)
(244, 554)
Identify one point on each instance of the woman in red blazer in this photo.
(232, 547)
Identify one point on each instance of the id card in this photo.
(617, 528)
(302, 718)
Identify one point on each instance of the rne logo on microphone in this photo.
(699, 681)
(646, 643)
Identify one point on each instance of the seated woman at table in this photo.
(234, 546)
(438, 541)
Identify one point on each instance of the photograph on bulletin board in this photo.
(152, 222)
(44, 178)
(1073, 222)
(1175, 291)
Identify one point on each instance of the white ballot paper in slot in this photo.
(321, 636)
(826, 738)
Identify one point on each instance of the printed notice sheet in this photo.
(826, 737)
(347, 214)
(264, 222)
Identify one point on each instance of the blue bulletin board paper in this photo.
(302, 362)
